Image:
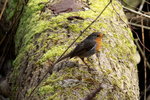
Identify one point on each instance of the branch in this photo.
(3, 9)
(139, 13)
(142, 93)
(140, 49)
(138, 25)
(147, 2)
(144, 58)
(50, 68)
(141, 6)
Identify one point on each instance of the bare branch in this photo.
(3, 9)
(140, 49)
(141, 6)
(139, 13)
(145, 74)
(138, 25)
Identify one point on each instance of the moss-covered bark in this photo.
(43, 36)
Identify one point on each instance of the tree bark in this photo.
(45, 31)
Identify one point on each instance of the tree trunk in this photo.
(45, 31)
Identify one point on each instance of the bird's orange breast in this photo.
(99, 43)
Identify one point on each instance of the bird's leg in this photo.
(86, 64)
(98, 56)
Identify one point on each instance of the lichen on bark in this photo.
(43, 36)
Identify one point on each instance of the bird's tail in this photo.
(62, 58)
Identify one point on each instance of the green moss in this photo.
(54, 85)
(55, 96)
(46, 89)
(21, 55)
(40, 29)
(30, 23)
(52, 53)
(53, 78)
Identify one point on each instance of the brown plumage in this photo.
(87, 47)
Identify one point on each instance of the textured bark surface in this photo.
(45, 32)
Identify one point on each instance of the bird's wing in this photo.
(82, 47)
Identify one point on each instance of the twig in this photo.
(142, 93)
(139, 13)
(147, 2)
(2, 40)
(8, 35)
(140, 50)
(145, 77)
(138, 25)
(140, 41)
(123, 1)
(3, 9)
(5, 51)
(141, 6)
(49, 69)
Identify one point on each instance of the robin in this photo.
(87, 47)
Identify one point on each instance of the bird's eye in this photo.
(97, 35)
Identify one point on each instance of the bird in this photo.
(86, 48)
